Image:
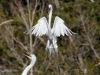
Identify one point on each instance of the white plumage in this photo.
(32, 57)
(59, 28)
(40, 28)
(44, 27)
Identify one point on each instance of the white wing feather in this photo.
(40, 28)
(59, 28)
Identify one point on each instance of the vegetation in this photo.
(78, 54)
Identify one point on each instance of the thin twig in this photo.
(5, 22)
(87, 34)
(11, 34)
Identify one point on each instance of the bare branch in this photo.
(33, 12)
(29, 14)
(92, 1)
(11, 34)
(87, 34)
(5, 22)
(56, 3)
(21, 10)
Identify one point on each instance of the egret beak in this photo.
(48, 10)
(27, 55)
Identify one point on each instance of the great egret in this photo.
(44, 27)
(32, 57)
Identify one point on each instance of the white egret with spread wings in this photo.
(44, 27)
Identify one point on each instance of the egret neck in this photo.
(50, 15)
(29, 67)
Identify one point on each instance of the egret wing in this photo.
(40, 28)
(59, 28)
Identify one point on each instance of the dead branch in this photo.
(5, 22)
(88, 37)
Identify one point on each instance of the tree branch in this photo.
(5, 22)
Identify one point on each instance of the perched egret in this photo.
(32, 57)
(44, 27)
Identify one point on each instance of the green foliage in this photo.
(69, 47)
(2, 1)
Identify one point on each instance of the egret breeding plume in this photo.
(44, 27)
(32, 57)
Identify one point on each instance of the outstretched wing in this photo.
(59, 28)
(40, 28)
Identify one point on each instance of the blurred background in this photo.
(78, 54)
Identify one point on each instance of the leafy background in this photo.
(78, 54)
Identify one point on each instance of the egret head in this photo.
(31, 57)
(50, 6)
